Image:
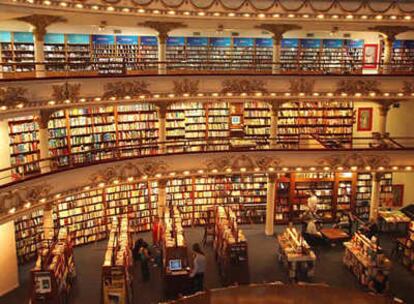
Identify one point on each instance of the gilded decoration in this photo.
(186, 86)
(239, 86)
(66, 91)
(12, 96)
(355, 159)
(40, 23)
(126, 88)
(408, 87)
(241, 161)
(301, 85)
(352, 86)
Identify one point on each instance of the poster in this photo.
(43, 283)
(370, 56)
(364, 122)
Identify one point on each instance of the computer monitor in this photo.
(235, 120)
(175, 265)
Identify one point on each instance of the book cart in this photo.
(54, 271)
(230, 246)
(116, 269)
(365, 258)
(408, 249)
(175, 261)
(295, 253)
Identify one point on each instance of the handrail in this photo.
(19, 172)
(119, 66)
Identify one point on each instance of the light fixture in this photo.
(298, 169)
(312, 168)
(367, 168)
(47, 2)
(326, 168)
(172, 173)
(27, 205)
(378, 17)
(144, 177)
(200, 94)
(141, 96)
(228, 170)
(201, 171)
(201, 13)
(155, 11)
(301, 94)
(116, 182)
(86, 188)
(407, 18)
(110, 8)
(381, 168)
(186, 13)
(343, 94)
(216, 14)
(171, 12)
(315, 94)
(20, 105)
(141, 10)
(3, 108)
(400, 94)
(287, 94)
(101, 185)
(231, 14)
(261, 15)
(95, 7)
(186, 172)
(97, 99)
(276, 15)
(242, 169)
(305, 16)
(63, 4)
(113, 98)
(82, 100)
(386, 94)
(285, 169)
(340, 168)
(394, 168)
(258, 94)
(349, 17)
(246, 15)
(158, 175)
(358, 94)
(408, 168)
(291, 16)
(372, 94)
(229, 94)
(186, 95)
(12, 210)
(67, 101)
(214, 171)
(171, 95)
(257, 169)
(330, 94)
(215, 94)
(393, 17)
(126, 10)
(243, 94)
(335, 16)
(43, 200)
(127, 97)
(364, 17)
(354, 168)
(130, 179)
(57, 195)
(51, 102)
(271, 169)
(156, 95)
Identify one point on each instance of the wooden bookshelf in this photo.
(408, 251)
(24, 144)
(363, 195)
(29, 234)
(386, 195)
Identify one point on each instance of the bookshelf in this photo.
(55, 52)
(310, 55)
(176, 52)
(78, 50)
(289, 55)
(257, 121)
(220, 52)
(403, 55)
(6, 51)
(23, 52)
(180, 194)
(197, 52)
(24, 144)
(218, 118)
(117, 266)
(104, 54)
(59, 147)
(353, 55)
(363, 195)
(148, 51)
(332, 55)
(386, 195)
(127, 48)
(54, 272)
(283, 199)
(263, 53)
(243, 53)
(408, 252)
(29, 234)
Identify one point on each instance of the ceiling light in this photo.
(12, 210)
(335, 16)
(116, 182)
(301, 94)
(216, 14)
(155, 11)
(271, 169)
(27, 205)
(276, 15)
(3, 108)
(172, 173)
(364, 17)
(214, 171)
(407, 17)
(231, 14)
(368, 168)
(242, 169)
(330, 94)
(315, 94)
(257, 169)
(285, 169)
(186, 13)
(326, 168)
(340, 168)
(395, 168)
(381, 168)
(386, 94)
(408, 168)
(393, 17)
(201, 13)
(101, 185)
(378, 17)
(95, 7)
(144, 177)
(97, 99)
(47, 2)
(201, 171)
(215, 94)
(142, 96)
(287, 94)
(312, 168)
(141, 10)
(321, 16)
(171, 12)
(67, 101)
(344, 94)
(171, 95)
(110, 8)
(82, 100)
(372, 94)
(229, 170)
(20, 105)
(86, 188)
(258, 94)
(298, 169)
(57, 195)
(349, 17)
(126, 10)
(158, 175)
(291, 15)
(186, 172)
(200, 94)
(358, 94)
(130, 179)
(305, 16)
(400, 94)
(354, 168)
(64, 4)
(261, 15)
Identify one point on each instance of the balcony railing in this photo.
(120, 67)
(24, 171)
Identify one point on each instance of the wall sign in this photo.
(355, 43)
(78, 39)
(264, 42)
(243, 42)
(5, 36)
(23, 37)
(220, 41)
(364, 122)
(370, 56)
(127, 39)
(51, 38)
(176, 41)
(290, 43)
(148, 40)
(332, 43)
(103, 39)
(197, 41)
(310, 43)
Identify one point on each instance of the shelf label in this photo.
(220, 41)
(5, 36)
(264, 42)
(127, 39)
(51, 38)
(176, 41)
(290, 43)
(23, 37)
(409, 44)
(197, 41)
(243, 42)
(103, 39)
(332, 43)
(78, 39)
(149, 40)
(311, 43)
(357, 44)
(397, 44)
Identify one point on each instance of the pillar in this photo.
(48, 224)
(382, 118)
(162, 53)
(5, 161)
(388, 41)
(273, 124)
(162, 128)
(1, 67)
(40, 24)
(45, 163)
(277, 41)
(375, 191)
(9, 274)
(270, 204)
(162, 197)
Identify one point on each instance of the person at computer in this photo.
(199, 267)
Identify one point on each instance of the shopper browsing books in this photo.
(199, 267)
(144, 257)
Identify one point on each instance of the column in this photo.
(375, 190)
(48, 224)
(382, 118)
(40, 24)
(9, 274)
(1, 67)
(5, 162)
(388, 41)
(277, 41)
(162, 128)
(274, 108)
(270, 204)
(162, 53)
(45, 163)
(162, 197)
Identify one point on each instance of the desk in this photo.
(334, 235)
(178, 283)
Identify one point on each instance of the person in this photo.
(144, 257)
(135, 251)
(199, 267)
(156, 231)
(312, 229)
(344, 222)
(313, 202)
(371, 229)
(379, 284)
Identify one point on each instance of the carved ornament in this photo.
(352, 86)
(278, 30)
(40, 23)
(12, 96)
(241, 161)
(408, 87)
(126, 88)
(301, 85)
(186, 86)
(163, 28)
(239, 86)
(355, 159)
(390, 31)
(66, 91)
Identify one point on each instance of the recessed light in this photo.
(364, 17)
(315, 94)
(326, 168)
(201, 13)
(214, 170)
(257, 169)
(12, 210)
(186, 172)
(354, 168)
(3, 108)
(305, 16)
(216, 14)
(242, 169)
(116, 182)
(394, 168)
(276, 15)
(186, 13)
(130, 179)
(64, 4)
(229, 170)
(201, 171)
(393, 17)
(94, 7)
(101, 185)
(155, 11)
(171, 12)
(298, 169)
(141, 10)
(172, 173)
(407, 17)
(285, 169)
(126, 10)
(27, 205)
(291, 15)
(335, 16)
(261, 15)
(349, 16)
(321, 16)
(231, 14)
(368, 168)
(287, 94)
(20, 105)
(86, 188)
(408, 168)
(386, 94)
(158, 175)
(379, 17)
(97, 99)
(110, 8)
(400, 94)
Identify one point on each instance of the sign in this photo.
(290, 43)
(310, 43)
(149, 40)
(397, 44)
(54, 38)
(356, 44)
(197, 41)
(332, 43)
(127, 39)
(176, 41)
(78, 39)
(5, 36)
(23, 37)
(264, 42)
(43, 283)
(243, 42)
(103, 39)
(220, 41)
(409, 44)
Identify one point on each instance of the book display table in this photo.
(334, 235)
(393, 221)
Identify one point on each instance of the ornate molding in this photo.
(301, 85)
(126, 88)
(278, 30)
(66, 91)
(43, 118)
(12, 96)
(185, 86)
(408, 87)
(352, 86)
(239, 86)
(355, 159)
(241, 161)
(40, 23)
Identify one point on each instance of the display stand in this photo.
(295, 253)
(230, 246)
(393, 220)
(365, 258)
(175, 263)
(116, 270)
(408, 249)
(53, 274)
